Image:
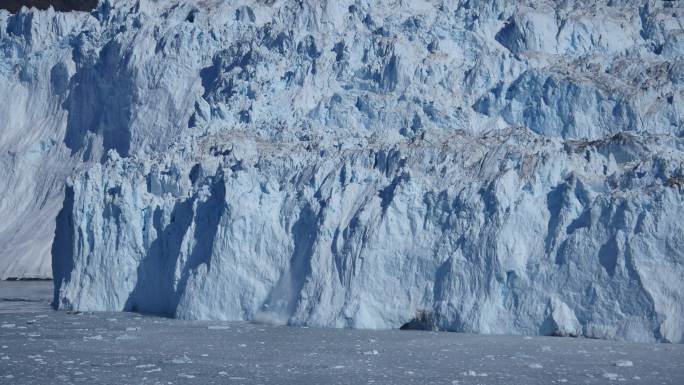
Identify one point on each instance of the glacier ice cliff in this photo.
(483, 166)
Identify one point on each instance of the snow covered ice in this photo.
(474, 166)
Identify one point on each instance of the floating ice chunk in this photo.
(218, 327)
(624, 363)
(93, 338)
(472, 373)
(126, 337)
(611, 376)
(182, 360)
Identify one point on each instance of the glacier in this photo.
(479, 166)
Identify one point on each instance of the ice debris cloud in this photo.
(483, 166)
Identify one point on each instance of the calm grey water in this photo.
(25, 296)
(40, 346)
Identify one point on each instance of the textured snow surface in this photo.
(480, 166)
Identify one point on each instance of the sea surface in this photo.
(42, 346)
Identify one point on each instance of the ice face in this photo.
(493, 167)
(485, 234)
